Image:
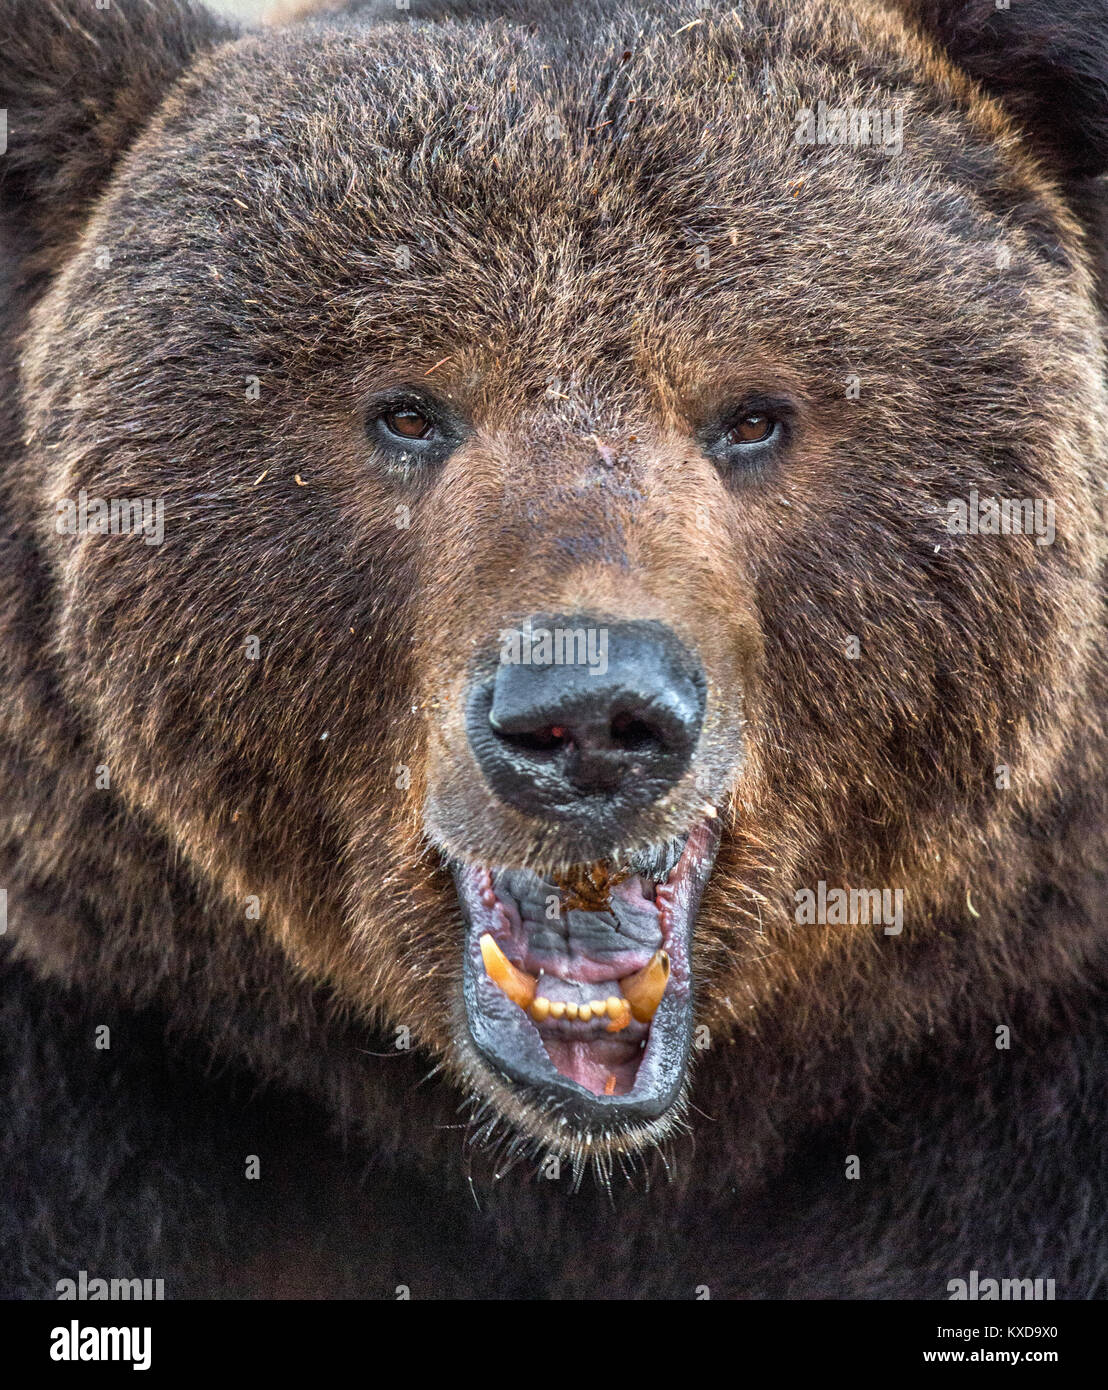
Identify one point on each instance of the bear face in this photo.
(434, 339)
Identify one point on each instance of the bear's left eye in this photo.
(748, 438)
(754, 428)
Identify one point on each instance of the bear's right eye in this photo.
(411, 429)
(408, 424)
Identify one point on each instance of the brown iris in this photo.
(751, 429)
(408, 424)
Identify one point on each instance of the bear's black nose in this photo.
(585, 714)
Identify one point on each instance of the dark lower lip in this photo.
(509, 1041)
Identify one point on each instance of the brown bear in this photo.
(551, 591)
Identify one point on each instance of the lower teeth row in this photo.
(614, 1007)
(642, 991)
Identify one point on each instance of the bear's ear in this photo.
(78, 84)
(1045, 60)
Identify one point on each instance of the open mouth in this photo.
(581, 986)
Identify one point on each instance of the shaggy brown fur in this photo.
(610, 232)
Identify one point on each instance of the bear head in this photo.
(554, 449)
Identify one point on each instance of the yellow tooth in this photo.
(558, 1009)
(614, 1005)
(621, 1018)
(516, 983)
(644, 990)
(540, 1008)
(571, 1011)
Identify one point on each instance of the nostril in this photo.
(634, 733)
(623, 732)
(548, 740)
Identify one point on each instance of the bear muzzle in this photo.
(577, 983)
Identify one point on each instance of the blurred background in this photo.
(241, 9)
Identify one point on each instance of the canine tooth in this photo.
(610, 1084)
(540, 1008)
(644, 990)
(571, 1011)
(516, 983)
(558, 1009)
